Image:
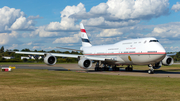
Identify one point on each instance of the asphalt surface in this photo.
(75, 67)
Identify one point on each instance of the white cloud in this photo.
(176, 7)
(169, 30)
(109, 33)
(36, 47)
(23, 24)
(14, 19)
(35, 17)
(13, 46)
(50, 48)
(73, 39)
(100, 9)
(172, 48)
(94, 21)
(159, 30)
(120, 13)
(42, 32)
(127, 9)
(67, 23)
(14, 34)
(112, 14)
(6, 38)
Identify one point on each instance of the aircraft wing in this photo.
(64, 55)
(171, 54)
(54, 54)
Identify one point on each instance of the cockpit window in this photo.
(153, 41)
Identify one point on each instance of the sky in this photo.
(47, 24)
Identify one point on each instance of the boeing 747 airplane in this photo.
(141, 51)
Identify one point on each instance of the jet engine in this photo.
(49, 59)
(167, 61)
(85, 63)
(157, 65)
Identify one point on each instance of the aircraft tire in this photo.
(150, 71)
(97, 69)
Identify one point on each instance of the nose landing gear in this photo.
(151, 69)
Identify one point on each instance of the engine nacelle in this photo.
(85, 63)
(167, 61)
(50, 59)
(157, 65)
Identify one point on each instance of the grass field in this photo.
(44, 85)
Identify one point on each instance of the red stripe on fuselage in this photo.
(83, 30)
(143, 53)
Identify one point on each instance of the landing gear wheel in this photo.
(151, 71)
(115, 69)
(97, 69)
(128, 69)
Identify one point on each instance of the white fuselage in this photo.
(130, 52)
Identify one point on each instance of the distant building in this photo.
(8, 57)
(32, 57)
(40, 57)
(24, 57)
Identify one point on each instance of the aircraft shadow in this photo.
(170, 71)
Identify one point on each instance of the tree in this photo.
(15, 50)
(26, 50)
(2, 49)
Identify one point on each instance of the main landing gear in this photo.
(105, 67)
(129, 68)
(151, 69)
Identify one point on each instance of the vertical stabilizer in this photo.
(84, 37)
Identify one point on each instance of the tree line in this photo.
(17, 57)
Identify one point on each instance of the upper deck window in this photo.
(153, 41)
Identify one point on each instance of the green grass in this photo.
(44, 85)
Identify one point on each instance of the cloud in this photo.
(172, 48)
(176, 7)
(73, 39)
(67, 23)
(6, 38)
(127, 10)
(14, 19)
(30, 43)
(169, 30)
(36, 47)
(102, 23)
(113, 13)
(35, 17)
(41, 32)
(110, 15)
(23, 24)
(109, 33)
(13, 46)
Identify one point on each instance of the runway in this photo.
(75, 67)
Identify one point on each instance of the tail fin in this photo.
(84, 37)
